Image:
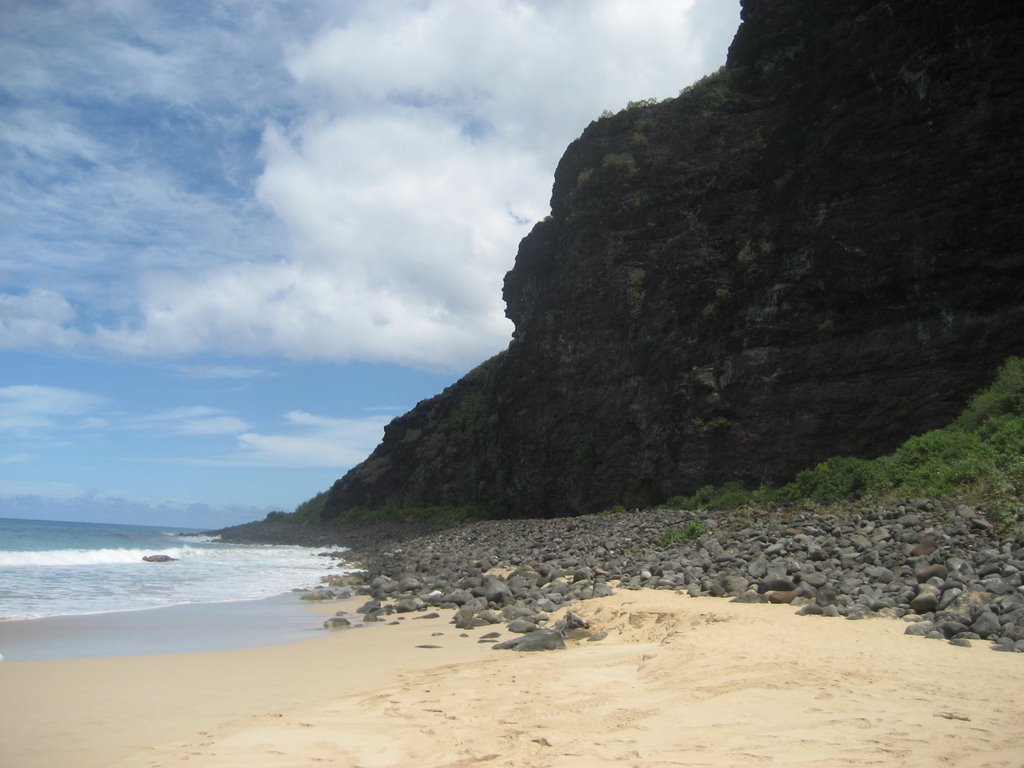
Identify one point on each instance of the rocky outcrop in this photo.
(813, 252)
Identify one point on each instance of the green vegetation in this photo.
(747, 253)
(309, 510)
(711, 92)
(980, 456)
(689, 532)
(619, 160)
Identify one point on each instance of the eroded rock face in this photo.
(814, 252)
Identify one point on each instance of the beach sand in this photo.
(678, 681)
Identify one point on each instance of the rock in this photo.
(811, 609)
(750, 596)
(733, 584)
(986, 625)
(919, 629)
(541, 640)
(409, 604)
(496, 591)
(774, 583)
(814, 579)
(926, 546)
(570, 622)
(522, 626)
(925, 572)
(465, 618)
(318, 594)
(924, 602)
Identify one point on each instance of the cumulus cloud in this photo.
(332, 182)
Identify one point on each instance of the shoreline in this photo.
(681, 680)
(183, 628)
(724, 649)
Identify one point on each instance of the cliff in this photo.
(813, 252)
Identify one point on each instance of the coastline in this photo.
(695, 653)
(680, 680)
(186, 628)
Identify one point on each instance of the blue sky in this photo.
(237, 238)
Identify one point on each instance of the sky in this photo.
(237, 237)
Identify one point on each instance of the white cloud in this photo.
(324, 181)
(197, 420)
(27, 408)
(37, 318)
(199, 371)
(314, 441)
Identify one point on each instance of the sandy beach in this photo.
(677, 681)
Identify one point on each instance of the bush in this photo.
(691, 531)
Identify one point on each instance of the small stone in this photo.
(926, 546)
(925, 572)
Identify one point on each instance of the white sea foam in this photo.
(47, 569)
(68, 557)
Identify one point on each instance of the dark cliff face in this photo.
(814, 252)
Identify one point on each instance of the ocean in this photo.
(50, 568)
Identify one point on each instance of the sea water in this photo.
(52, 568)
